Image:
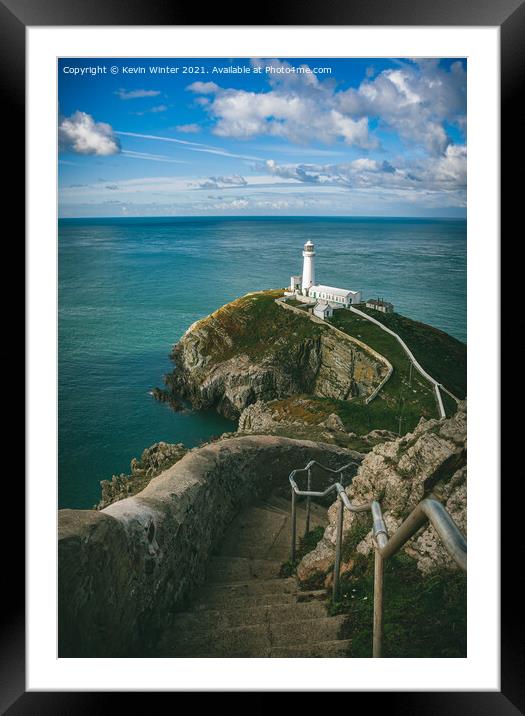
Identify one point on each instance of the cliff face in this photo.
(399, 474)
(251, 350)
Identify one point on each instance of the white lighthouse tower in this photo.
(308, 267)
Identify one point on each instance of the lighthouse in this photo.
(308, 267)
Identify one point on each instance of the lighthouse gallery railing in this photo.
(428, 510)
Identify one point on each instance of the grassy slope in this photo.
(424, 615)
(404, 399)
(257, 327)
(443, 356)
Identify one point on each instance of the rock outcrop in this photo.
(152, 462)
(251, 350)
(399, 474)
(305, 416)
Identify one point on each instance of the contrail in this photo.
(193, 146)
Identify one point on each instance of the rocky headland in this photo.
(251, 350)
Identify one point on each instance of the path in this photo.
(412, 358)
(245, 609)
(437, 386)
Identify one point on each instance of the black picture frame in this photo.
(509, 16)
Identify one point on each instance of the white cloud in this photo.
(203, 87)
(298, 108)
(136, 94)
(415, 100)
(443, 174)
(221, 182)
(188, 128)
(81, 134)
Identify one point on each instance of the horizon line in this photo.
(266, 216)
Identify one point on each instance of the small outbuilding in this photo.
(379, 304)
(323, 310)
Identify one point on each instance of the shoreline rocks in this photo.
(154, 460)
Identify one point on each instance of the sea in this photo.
(130, 287)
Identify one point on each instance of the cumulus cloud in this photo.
(136, 94)
(416, 100)
(81, 134)
(297, 108)
(446, 173)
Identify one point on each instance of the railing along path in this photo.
(428, 510)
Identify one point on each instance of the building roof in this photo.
(322, 306)
(378, 302)
(334, 291)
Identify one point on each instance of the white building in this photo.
(308, 267)
(379, 304)
(337, 296)
(296, 283)
(323, 310)
(306, 286)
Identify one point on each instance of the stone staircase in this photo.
(245, 609)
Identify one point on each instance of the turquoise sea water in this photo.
(129, 288)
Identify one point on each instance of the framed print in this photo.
(259, 264)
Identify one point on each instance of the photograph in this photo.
(262, 357)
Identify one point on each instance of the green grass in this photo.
(405, 398)
(443, 356)
(256, 326)
(424, 616)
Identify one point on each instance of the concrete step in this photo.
(276, 552)
(212, 619)
(318, 516)
(338, 648)
(256, 517)
(307, 632)
(218, 600)
(280, 503)
(241, 569)
(253, 588)
(250, 641)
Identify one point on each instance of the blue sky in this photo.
(351, 137)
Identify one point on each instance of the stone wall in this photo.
(348, 339)
(124, 571)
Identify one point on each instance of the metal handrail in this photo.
(309, 494)
(428, 510)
